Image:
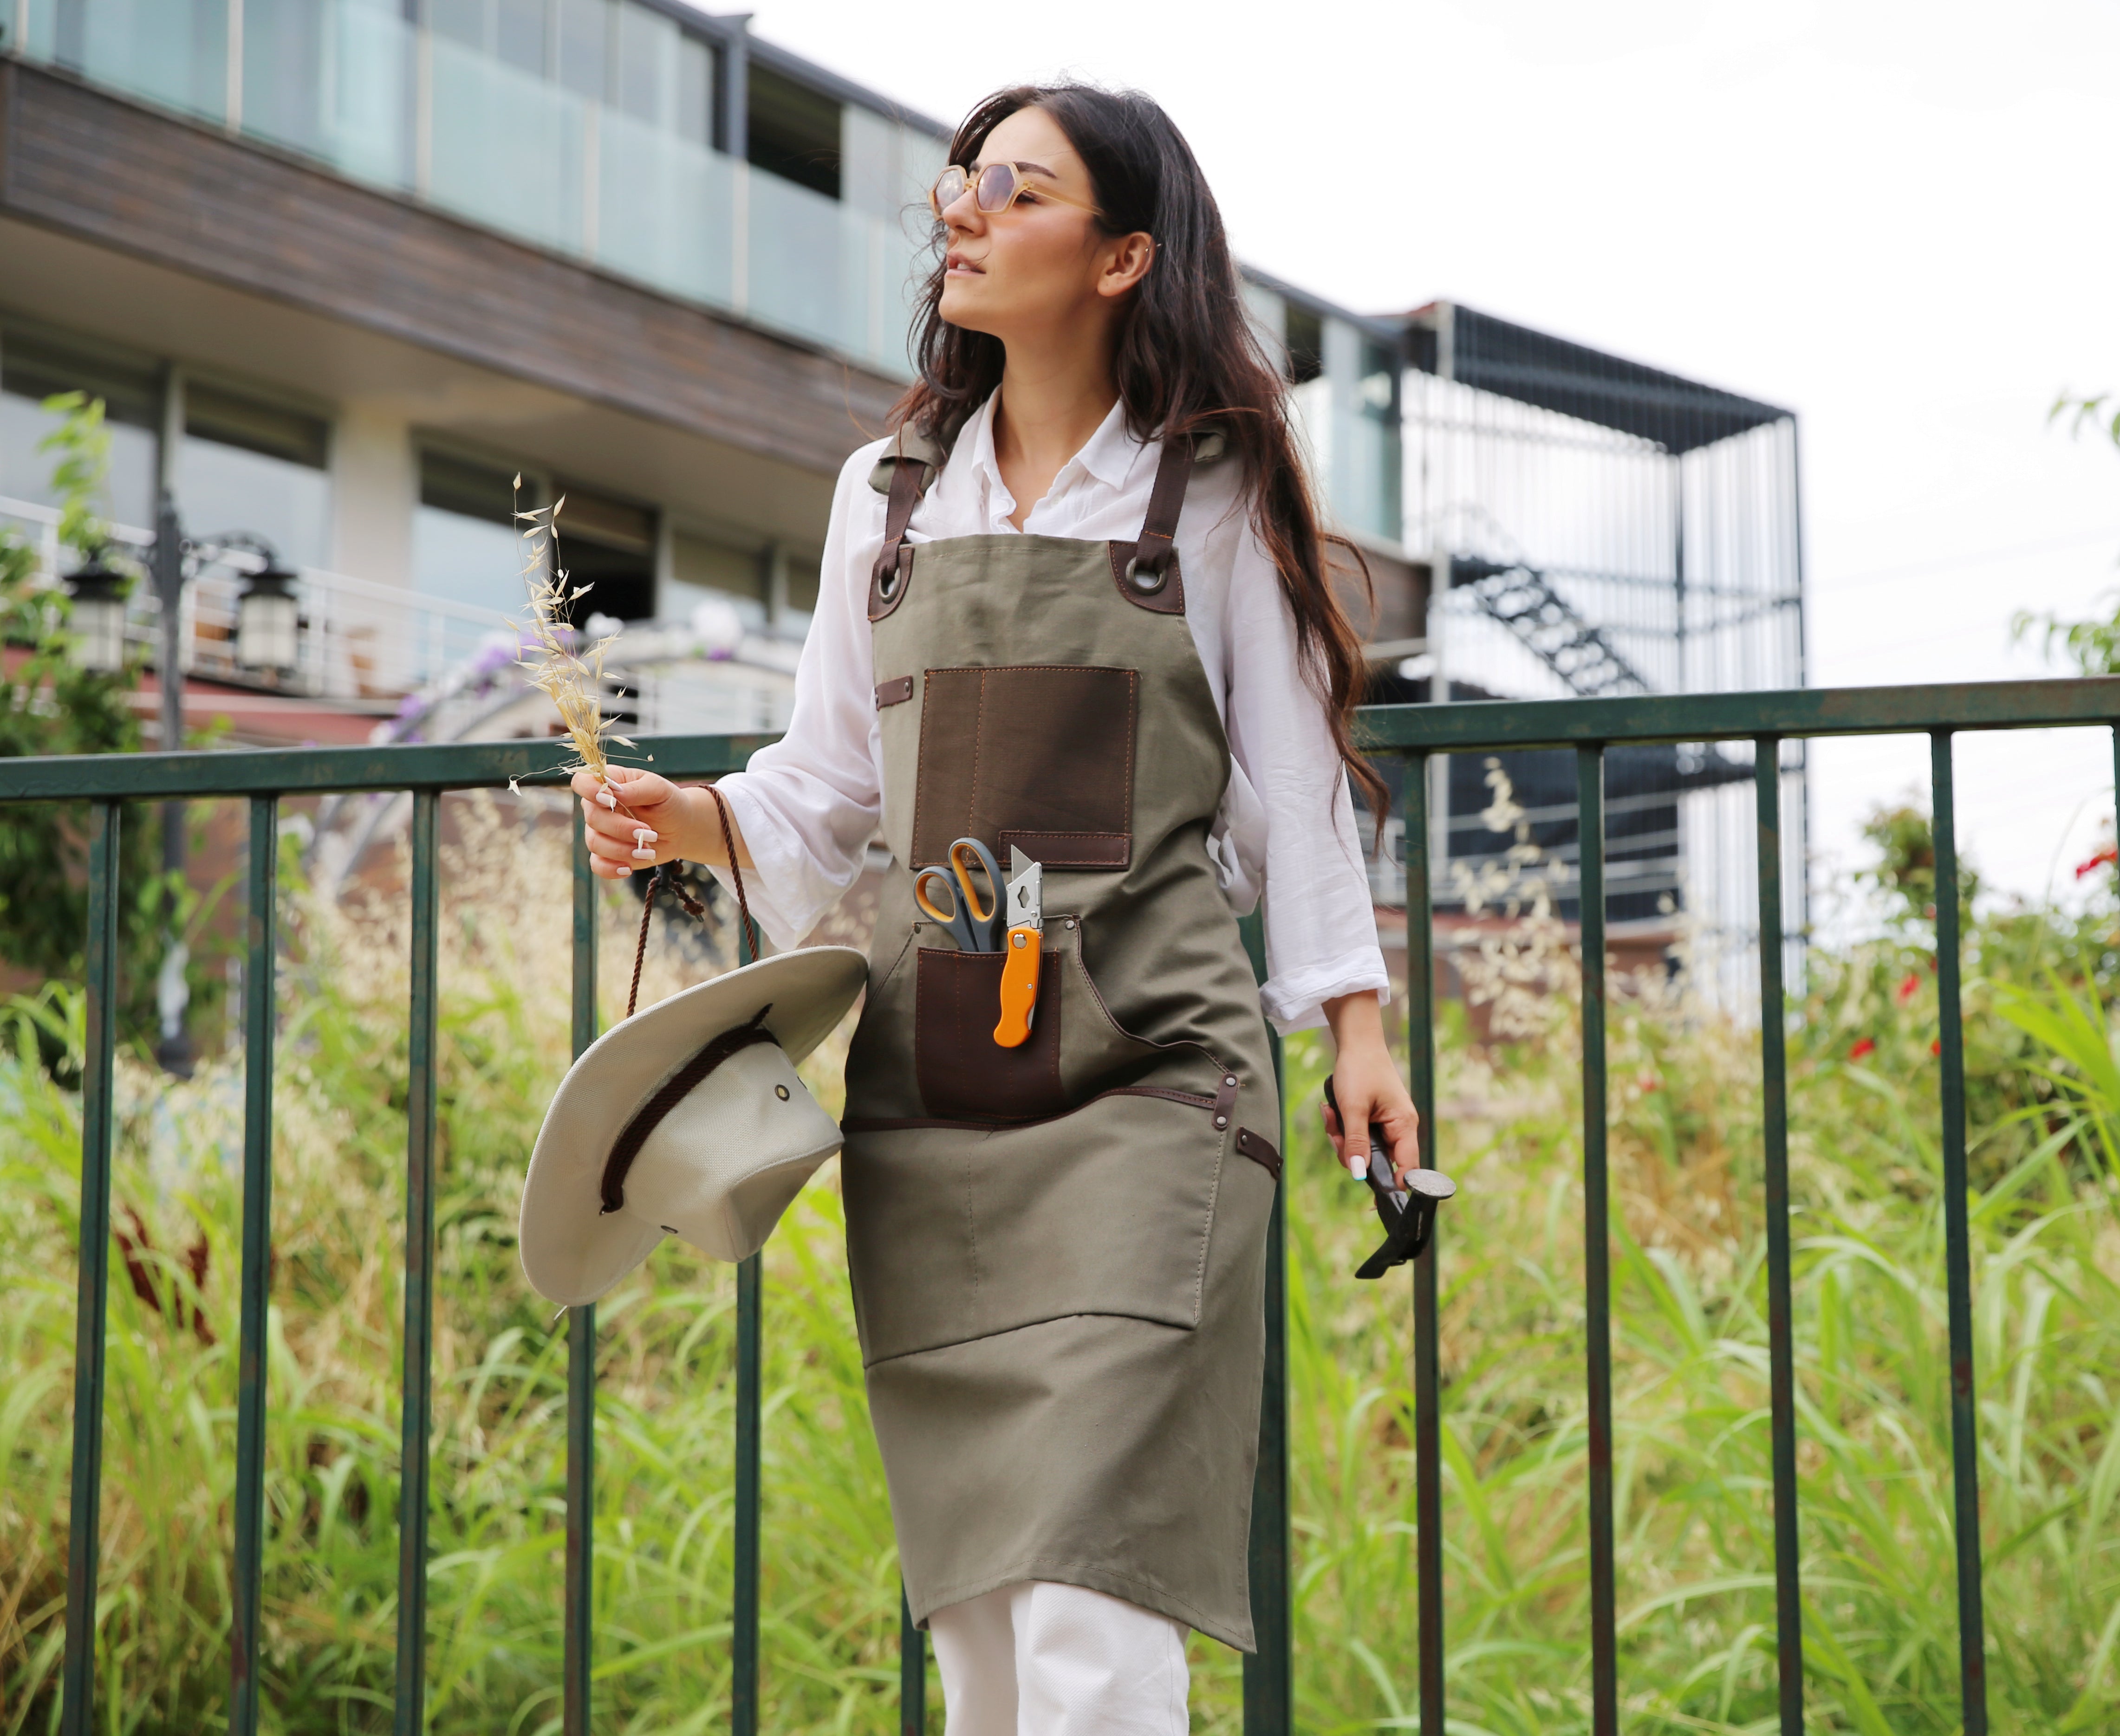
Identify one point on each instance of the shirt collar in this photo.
(994, 498)
(1112, 452)
(1109, 456)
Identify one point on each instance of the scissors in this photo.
(974, 921)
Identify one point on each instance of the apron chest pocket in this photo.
(964, 1074)
(1038, 755)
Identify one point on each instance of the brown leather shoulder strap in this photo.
(1166, 500)
(886, 580)
(908, 444)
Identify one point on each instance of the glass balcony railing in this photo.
(351, 84)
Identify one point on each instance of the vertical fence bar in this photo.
(85, 1513)
(579, 1599)
(749, 1299)
(1270, 1671)
(260, 987)
(1781, 1348)
(1597, 1246)
(411, 1685)
(743, 1690)
(1427, 1383)
(2116, 784)
(1957, 1254)
(912, 1673)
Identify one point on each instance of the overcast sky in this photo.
(1899, 219)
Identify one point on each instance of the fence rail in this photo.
(1411, 736)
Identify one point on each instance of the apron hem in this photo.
(1143, 1594)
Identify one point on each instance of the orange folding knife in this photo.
(1026, 919)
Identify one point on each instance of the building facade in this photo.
(342, 271)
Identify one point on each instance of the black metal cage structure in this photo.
(1597, 529)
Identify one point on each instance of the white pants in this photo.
(1046, 1659)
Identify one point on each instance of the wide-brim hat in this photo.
(688, 1120)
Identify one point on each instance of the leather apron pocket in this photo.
(964, 1074)
(1038, 755)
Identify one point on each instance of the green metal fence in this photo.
(1410, 736)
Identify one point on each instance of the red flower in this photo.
(1907, 989)
(1863, 1045)
(2110, 853)
(1935, 1046)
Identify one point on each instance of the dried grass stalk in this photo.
(573, 679)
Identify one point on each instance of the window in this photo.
(247, 465)
(584, 29)
(704, 569)
(1379, 388)
(803, 571)
(646, 85)
(33, 368)
(610, 546)
(1304, 334)
(267, 429)
(464, 21)
(519, 34)
(464, 544)
(696, 71)
(794, 131)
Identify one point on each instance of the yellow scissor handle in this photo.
(920, 884)
(964, 858)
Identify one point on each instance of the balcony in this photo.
(628, 185)
(428, 669)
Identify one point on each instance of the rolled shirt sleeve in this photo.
(1290, 809)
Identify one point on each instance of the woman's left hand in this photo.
(1366, 1082)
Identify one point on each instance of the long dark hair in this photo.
(1188, 359)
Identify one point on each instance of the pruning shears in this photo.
(1406, 1212)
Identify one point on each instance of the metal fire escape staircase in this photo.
(1516, 594)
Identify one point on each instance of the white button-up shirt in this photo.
(810, 803)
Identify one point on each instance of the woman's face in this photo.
(1041, 265)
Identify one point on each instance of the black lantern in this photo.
(268, 621)
(98, 594)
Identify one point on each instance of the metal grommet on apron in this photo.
(1058, 1249)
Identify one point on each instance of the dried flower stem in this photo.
(572, 680)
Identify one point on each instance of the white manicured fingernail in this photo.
(607, 799)
(643, 856)
(1358, 1167)
(643, 835)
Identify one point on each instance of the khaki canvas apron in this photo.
(1057, 1251)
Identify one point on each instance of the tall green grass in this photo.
(1695, 1618)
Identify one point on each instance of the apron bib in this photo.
(1057, 1251)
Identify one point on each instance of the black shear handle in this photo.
(1408, 1215)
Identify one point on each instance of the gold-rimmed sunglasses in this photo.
(995, 188)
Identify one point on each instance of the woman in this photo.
(1076, 607)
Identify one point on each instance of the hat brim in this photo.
(572, 1251)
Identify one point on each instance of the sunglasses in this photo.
(994, 189)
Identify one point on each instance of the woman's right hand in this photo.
(635, 820)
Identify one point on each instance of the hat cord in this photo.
(661, 877)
